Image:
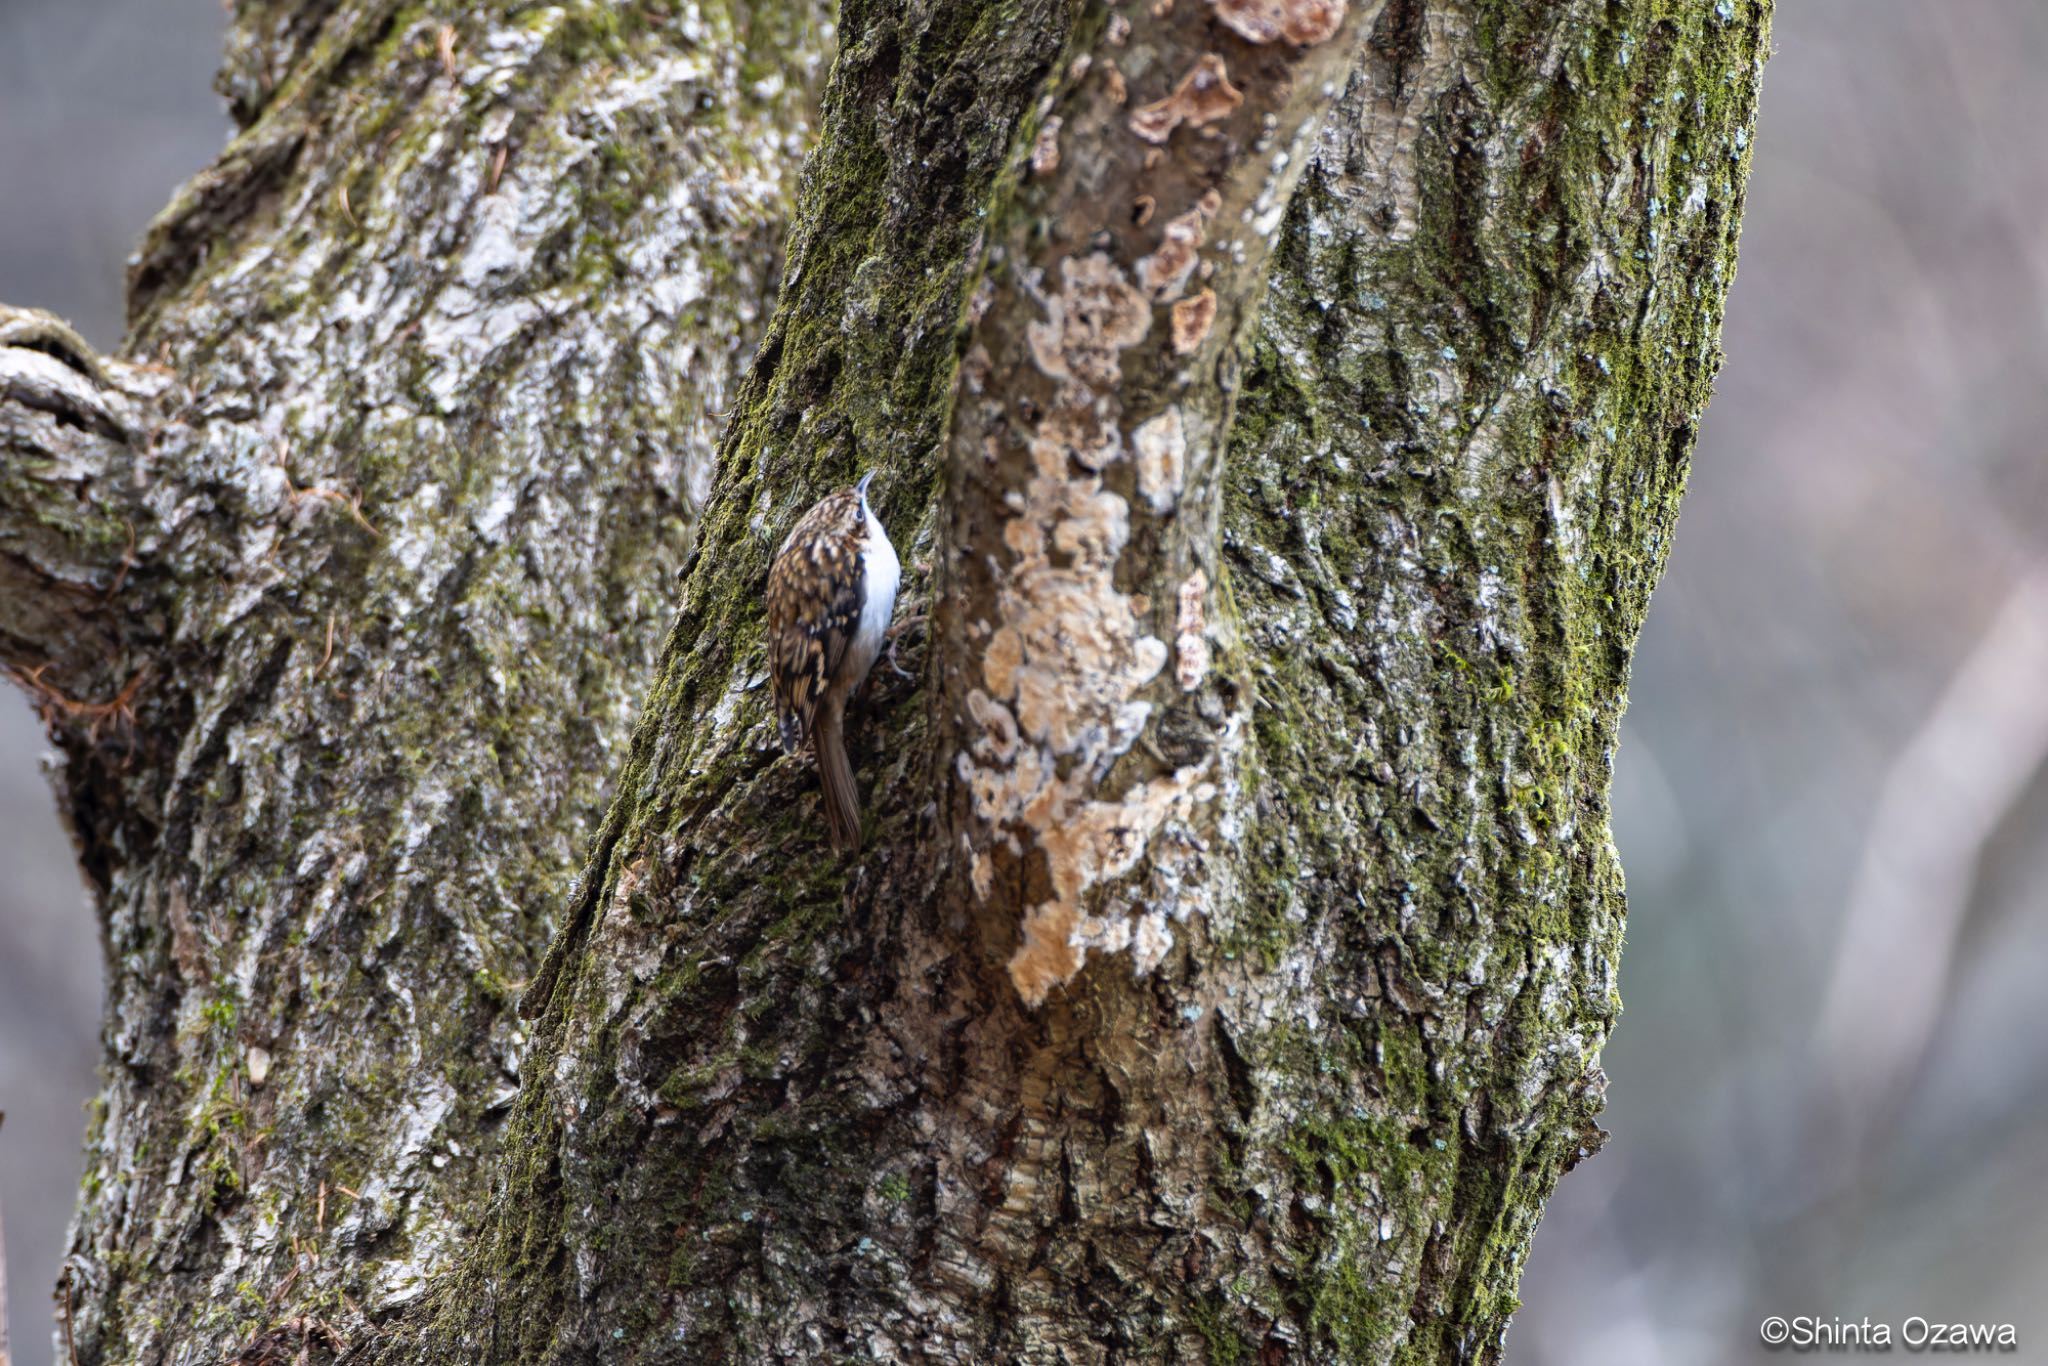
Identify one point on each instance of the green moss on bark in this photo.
(1454, 481)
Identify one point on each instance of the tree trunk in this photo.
(1282, 409)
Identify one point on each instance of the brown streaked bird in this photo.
(831, 592)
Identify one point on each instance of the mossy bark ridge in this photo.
(340, 591)
(1282, 407)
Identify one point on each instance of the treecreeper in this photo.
(831, 593)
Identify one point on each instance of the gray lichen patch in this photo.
(1191, 321)
(1165, 271)
(1303, 22)
(1203, 96)
(1090, 317)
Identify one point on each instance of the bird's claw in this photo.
(889, 656)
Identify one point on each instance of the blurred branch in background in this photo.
(1946, 796)
(1830, 1086)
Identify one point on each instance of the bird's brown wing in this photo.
(814, 590)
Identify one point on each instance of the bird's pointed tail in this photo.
(842, 798)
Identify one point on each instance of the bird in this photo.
(831, 594)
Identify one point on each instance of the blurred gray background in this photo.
(1828, 1090)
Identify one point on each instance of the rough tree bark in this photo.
(1283, 407)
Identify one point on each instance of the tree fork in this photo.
(1337, 1029)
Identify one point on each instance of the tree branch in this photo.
(74, 521)
(1082, 505)
(1974, 755)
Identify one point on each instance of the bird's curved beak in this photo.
(862, 487)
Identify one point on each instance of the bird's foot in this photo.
(890, 636)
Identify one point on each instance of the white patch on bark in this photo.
(1045, 152)
(382, 1201)
(1150, 941)
(1161, 447)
